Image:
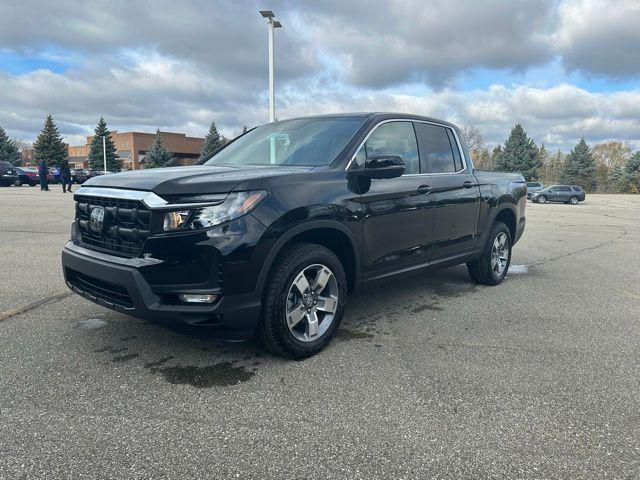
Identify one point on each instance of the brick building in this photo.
(131, 147)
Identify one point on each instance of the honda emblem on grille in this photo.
(96, 220)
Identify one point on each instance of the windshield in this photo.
(307, 142)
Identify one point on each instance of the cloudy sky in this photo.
(562, 68)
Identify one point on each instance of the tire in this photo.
(18, 183)
(573, 200)
(482, 270)
(283, 295)
(542, 199)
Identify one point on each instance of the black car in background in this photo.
(533, 187)
(8, 175)
(27, 176)
(559, 193)
(79, 175)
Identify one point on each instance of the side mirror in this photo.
(382, 166)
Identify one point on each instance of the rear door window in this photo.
(436, 154)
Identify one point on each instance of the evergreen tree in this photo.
(213, 142)
(496, 156)
(96, 152)
(49, 145)
(617, 181)
(8, 149)
(632, 171)
(157, 156)
(520, 154)
(580, 167)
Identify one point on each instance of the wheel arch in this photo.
(331, 234)
(506, 214)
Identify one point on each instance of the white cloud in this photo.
(178, 65)
(600, 36)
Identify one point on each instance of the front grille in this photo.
(126, 224)
(91, 287)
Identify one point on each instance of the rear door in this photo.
(456, 190)
(564, 194)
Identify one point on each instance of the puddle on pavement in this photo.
(344, 334)
(220, 374)
(92, 324)
(158, 363)
(427, 306)
(518, 269)
(124, 358)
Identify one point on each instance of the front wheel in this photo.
(542, 199)
(303, 301)
(492, 266)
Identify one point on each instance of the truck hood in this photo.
(190, 180)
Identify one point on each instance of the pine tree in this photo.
(157, 156)
(96, 152)
(617, 181)
(8, 149)
(632, 171)
(580, 167)
(520, 154)
(213, 142)
(496, 156)
(49, 145)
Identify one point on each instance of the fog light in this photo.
(197, 298)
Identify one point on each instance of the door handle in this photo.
(424, 189)
(467, 184)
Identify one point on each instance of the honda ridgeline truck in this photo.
(270, 235)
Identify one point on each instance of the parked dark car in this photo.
(559, 193)
(271, 234)
(533, 187)
(27, 176)
(79, 175)
(8, 175)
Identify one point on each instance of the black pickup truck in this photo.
(270, 235)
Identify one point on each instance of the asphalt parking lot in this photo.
(429, 377)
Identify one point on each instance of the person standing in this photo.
(43, 171)
(65, 176)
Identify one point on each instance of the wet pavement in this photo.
(430, 376)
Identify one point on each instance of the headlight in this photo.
(175, 220)
(235, 205)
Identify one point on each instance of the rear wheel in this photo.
(492, 266)
(303, 302)
(573, 201)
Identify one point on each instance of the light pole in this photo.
(104, 151)
(273, 24)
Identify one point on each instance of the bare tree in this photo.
(475, 140)
(238, 131)
(26, 151)
(611, 153)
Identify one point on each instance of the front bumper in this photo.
(117, 283)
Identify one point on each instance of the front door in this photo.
(398, 212)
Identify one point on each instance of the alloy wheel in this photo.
(500, 254)
(312, 302)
